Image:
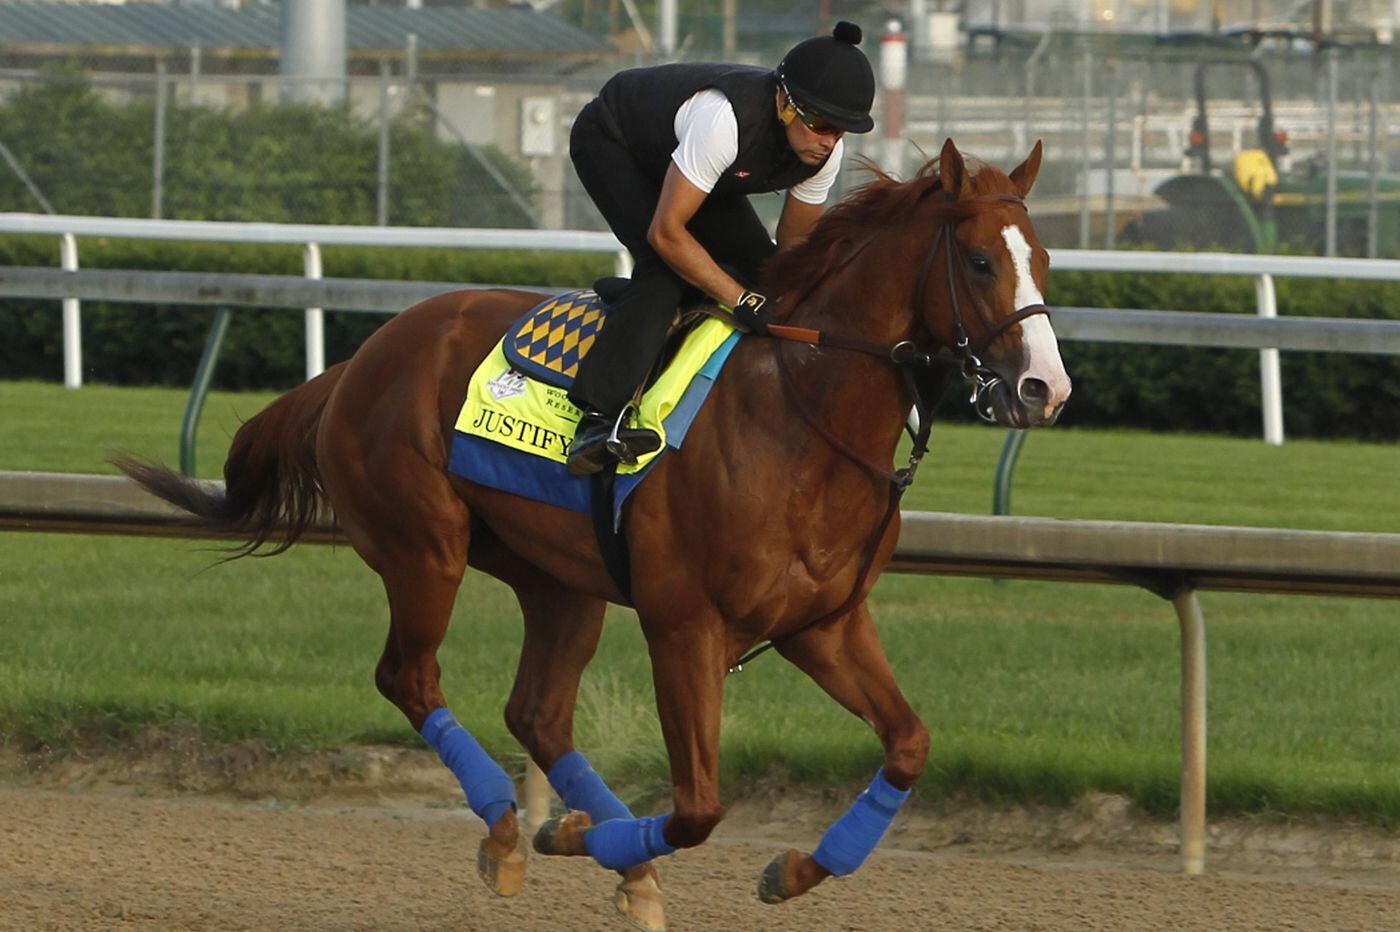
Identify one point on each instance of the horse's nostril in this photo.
(1034, 392)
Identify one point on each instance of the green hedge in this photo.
(268, 162)
(1217, 390)
(1158, 388)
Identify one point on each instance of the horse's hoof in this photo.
(502, 869)
(775, 884)
(638, 899)
(564, 834)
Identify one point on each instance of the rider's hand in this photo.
(749, 312)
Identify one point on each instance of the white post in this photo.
(894, 70)
(622, 264)
(72, 321)
(1270, 381)
(1193, 732)
(315, 317)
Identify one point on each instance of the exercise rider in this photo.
(669, 154)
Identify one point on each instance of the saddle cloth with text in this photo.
(516, 424)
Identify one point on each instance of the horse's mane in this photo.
(881, 201)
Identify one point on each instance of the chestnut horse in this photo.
(771, 524)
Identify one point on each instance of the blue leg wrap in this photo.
(847, 844)
(489, 790)
(622, 843)
(579, 785)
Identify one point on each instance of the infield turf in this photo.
(1034, 691)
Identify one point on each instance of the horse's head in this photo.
(982, 290)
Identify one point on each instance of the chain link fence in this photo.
(1119, 124)
(399, 150)
(1116, 112)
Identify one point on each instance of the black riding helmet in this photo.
(829, 77)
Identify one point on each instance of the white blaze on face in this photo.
(1041, 351)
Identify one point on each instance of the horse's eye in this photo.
(980, 263)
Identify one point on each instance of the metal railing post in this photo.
(1193, 731)
(72, 317)
(1373, 165)
(382, 197)
(1006, 467)
(1330, 218)
(315, 317)
(1270, 379)
(158, 144)
(1085, 167)
(1110, 234)
(199, 389)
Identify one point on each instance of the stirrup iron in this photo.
(616, 446)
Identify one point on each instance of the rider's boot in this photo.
(602, 439)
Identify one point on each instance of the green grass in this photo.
(1033, 690)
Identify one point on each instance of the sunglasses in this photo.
(819, 125)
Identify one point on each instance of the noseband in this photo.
(906, 355)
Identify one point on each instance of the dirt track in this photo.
(128, 858)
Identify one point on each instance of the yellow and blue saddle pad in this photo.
(547, 343)
(516, 423)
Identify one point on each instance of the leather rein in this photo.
(910, 361)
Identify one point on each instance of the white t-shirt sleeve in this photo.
(707, 135)
(815, 189)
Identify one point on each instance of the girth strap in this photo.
(612, 543)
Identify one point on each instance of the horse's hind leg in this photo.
(847, 660)
(421, 591)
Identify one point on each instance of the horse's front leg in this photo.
(562, 627)
(847, 660)
(688, 665)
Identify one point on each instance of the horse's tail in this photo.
(272, 484)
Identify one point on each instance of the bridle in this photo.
(906, 355)
(911, 362)
(982, 377)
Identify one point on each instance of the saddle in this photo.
(516, 423)
(550, 341)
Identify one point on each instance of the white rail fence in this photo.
(311, 237)
(1173, 561)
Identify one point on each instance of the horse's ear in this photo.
(952, 171)
(1023, 175)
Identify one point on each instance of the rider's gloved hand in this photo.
(749, 312)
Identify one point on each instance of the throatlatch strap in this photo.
(611, 542)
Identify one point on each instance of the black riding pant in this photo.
(637, 323)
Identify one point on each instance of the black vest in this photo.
(643, 104)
